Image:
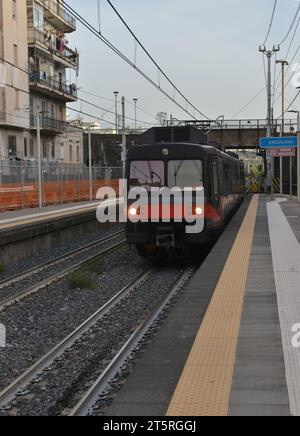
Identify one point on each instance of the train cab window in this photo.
(147, 174)
(185, 173)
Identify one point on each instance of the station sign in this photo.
(284, 142)
(282, 152)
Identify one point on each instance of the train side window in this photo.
(215, 176)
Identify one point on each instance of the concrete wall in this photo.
(32, 240)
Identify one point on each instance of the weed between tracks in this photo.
(78, 280)
(94, 266)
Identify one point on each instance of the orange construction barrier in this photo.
(15, 196)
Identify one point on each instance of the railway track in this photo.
(88, 402)
(21, 386)
(55, 269)
(16, 388)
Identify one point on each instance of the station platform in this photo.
(25, 217)
(229, 346)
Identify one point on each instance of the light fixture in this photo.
(133, 211)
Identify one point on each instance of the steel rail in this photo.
(91, 397)
(16, 388)
(19, 296)
(39, 268)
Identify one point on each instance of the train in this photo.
(218, 177)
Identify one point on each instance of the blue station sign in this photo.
(287, 141)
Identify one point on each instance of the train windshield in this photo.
(147, 174)
(185, 174)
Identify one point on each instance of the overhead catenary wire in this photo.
(248, 104)
(291, 26)
(113, 101)
(288, 52)
(271, 23)
(152, 59)
(291, 104)
(86, 24)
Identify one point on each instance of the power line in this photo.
(142, 110)
(288, 108)
(86, 24)
(287, 53)
(293, 37)
(78, 98)
(290, 63)
(108, 111)
(271, 23)
(152, 59)
(248, 104)
(92, 116)
(291, 27)
(112, 100)
(97, 96)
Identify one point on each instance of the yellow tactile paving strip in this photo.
(205, 385)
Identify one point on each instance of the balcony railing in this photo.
(54, 7)
(66, 54)
(48, 123)
(42, 78)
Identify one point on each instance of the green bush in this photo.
(79, 280)
(2, 268)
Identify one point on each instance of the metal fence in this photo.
(61, 183)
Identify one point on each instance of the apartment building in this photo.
(14, 84)
(35, 35)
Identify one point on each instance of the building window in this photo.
(78, 154)
(45, 150)
(25, 148)
(12, 146)
(14, 9)
(71, 152)
(31, 151)
(52, 150)
(38, 16)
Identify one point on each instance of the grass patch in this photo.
(2, 268)
(94, 266)
(78, 280)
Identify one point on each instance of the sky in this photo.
(209, 49)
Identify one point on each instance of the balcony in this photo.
(68, 57)
(58, 15)
(41, 82)
(48, 125)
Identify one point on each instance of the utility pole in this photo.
(283, 64)
(135, 117)
(298, 156)
(90, 163)
(116, 109)
(270, 161)
(123, 138)
(38, 135)
(298, 152)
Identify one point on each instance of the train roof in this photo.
(156, 150)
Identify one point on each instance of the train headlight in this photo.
(133, 211)
(199, 210)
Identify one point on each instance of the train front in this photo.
(166, 199)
